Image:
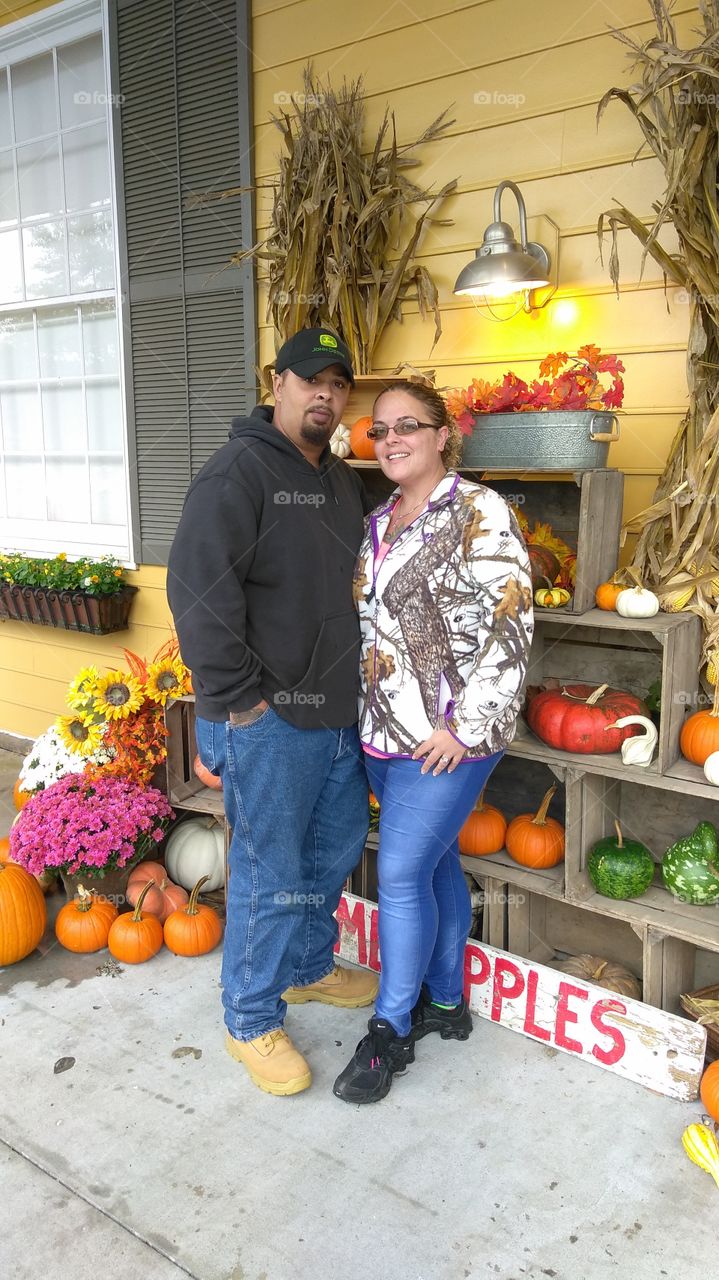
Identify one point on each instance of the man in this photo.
(260, 586)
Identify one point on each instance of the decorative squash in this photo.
(579, 717)
(543, 565)
(638, 750)
(637, 602)
(690, 867)
(711, 768)
(534, 840)
(23, 914)
(164, 898)
(552, 597)
(606, 595)
(20, 797)
(196, 848)
(699, 737)
(360, 445)
(484, 831)
(205, 775)
(702, 1148)
(134, 938)
(604, 972)
(84, 924)
(195, 929)
(620, 868)
(709, 1090)
(340, 441)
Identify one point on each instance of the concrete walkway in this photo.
(152, 1156)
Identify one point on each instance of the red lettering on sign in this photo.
(374, 940)
(530, 1025)
(608, 1056)
(353, 922)
(502, 990)
(472, 977)
(565, 1015)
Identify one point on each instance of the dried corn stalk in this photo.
(345, 223)
(675, 105)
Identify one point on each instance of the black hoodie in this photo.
(260, 579)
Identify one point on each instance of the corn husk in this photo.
(705, 1011)
(346, 222)
(673, 102)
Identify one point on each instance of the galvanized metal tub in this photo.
(541, 440)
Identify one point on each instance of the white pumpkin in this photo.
(711, 768)
(340, 442)
(637, 602)
(639, 749)
(197, 848)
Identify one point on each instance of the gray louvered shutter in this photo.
(183, 126)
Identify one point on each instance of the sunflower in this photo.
(80, 690)
(117, 695)
(79, 735)
(166, 679)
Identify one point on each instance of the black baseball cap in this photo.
(312, 350)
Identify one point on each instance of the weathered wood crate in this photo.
(184, 789)
(600, 647)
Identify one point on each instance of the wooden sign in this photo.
(659, 1050)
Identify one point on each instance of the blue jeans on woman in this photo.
(296, 800)
(425, 910)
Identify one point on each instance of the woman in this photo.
(444, 597)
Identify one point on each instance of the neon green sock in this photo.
(437, 1005)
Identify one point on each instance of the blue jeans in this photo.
(296, 800)
(424, 905)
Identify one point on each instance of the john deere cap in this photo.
(311, 350)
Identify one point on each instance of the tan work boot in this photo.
(346, 988)
(272, 1061)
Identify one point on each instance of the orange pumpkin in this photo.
(359, 444)
(164, 897)
(20, 797)
(45, 879)
(23, 914)
(534, 840)
(484, 831)
(84, 924)
(700, 733)
(193, 930)
(209, 779)
(606, 594)
(709, 1090)
(134, 938)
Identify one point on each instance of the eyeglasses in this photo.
(402, 427)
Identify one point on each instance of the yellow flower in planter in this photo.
(80, 690)
(166, 679)
(79, 735)
(117, 695)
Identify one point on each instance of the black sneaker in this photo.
(378, 1056)
(452, 1024)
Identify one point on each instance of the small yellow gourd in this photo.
(552, 597)
(701, 1147)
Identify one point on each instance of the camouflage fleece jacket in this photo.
(446, 622)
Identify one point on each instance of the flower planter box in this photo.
(541, 440)
(69, 610)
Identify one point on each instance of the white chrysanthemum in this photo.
(49, 759)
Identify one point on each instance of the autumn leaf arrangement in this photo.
(589, 380)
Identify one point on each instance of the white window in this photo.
(63, 452)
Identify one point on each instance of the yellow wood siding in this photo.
(10, 12)
(521, 81)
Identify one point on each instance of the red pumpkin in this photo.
(209, 779)
(163, 898)
(573, 717)
(543, 564)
